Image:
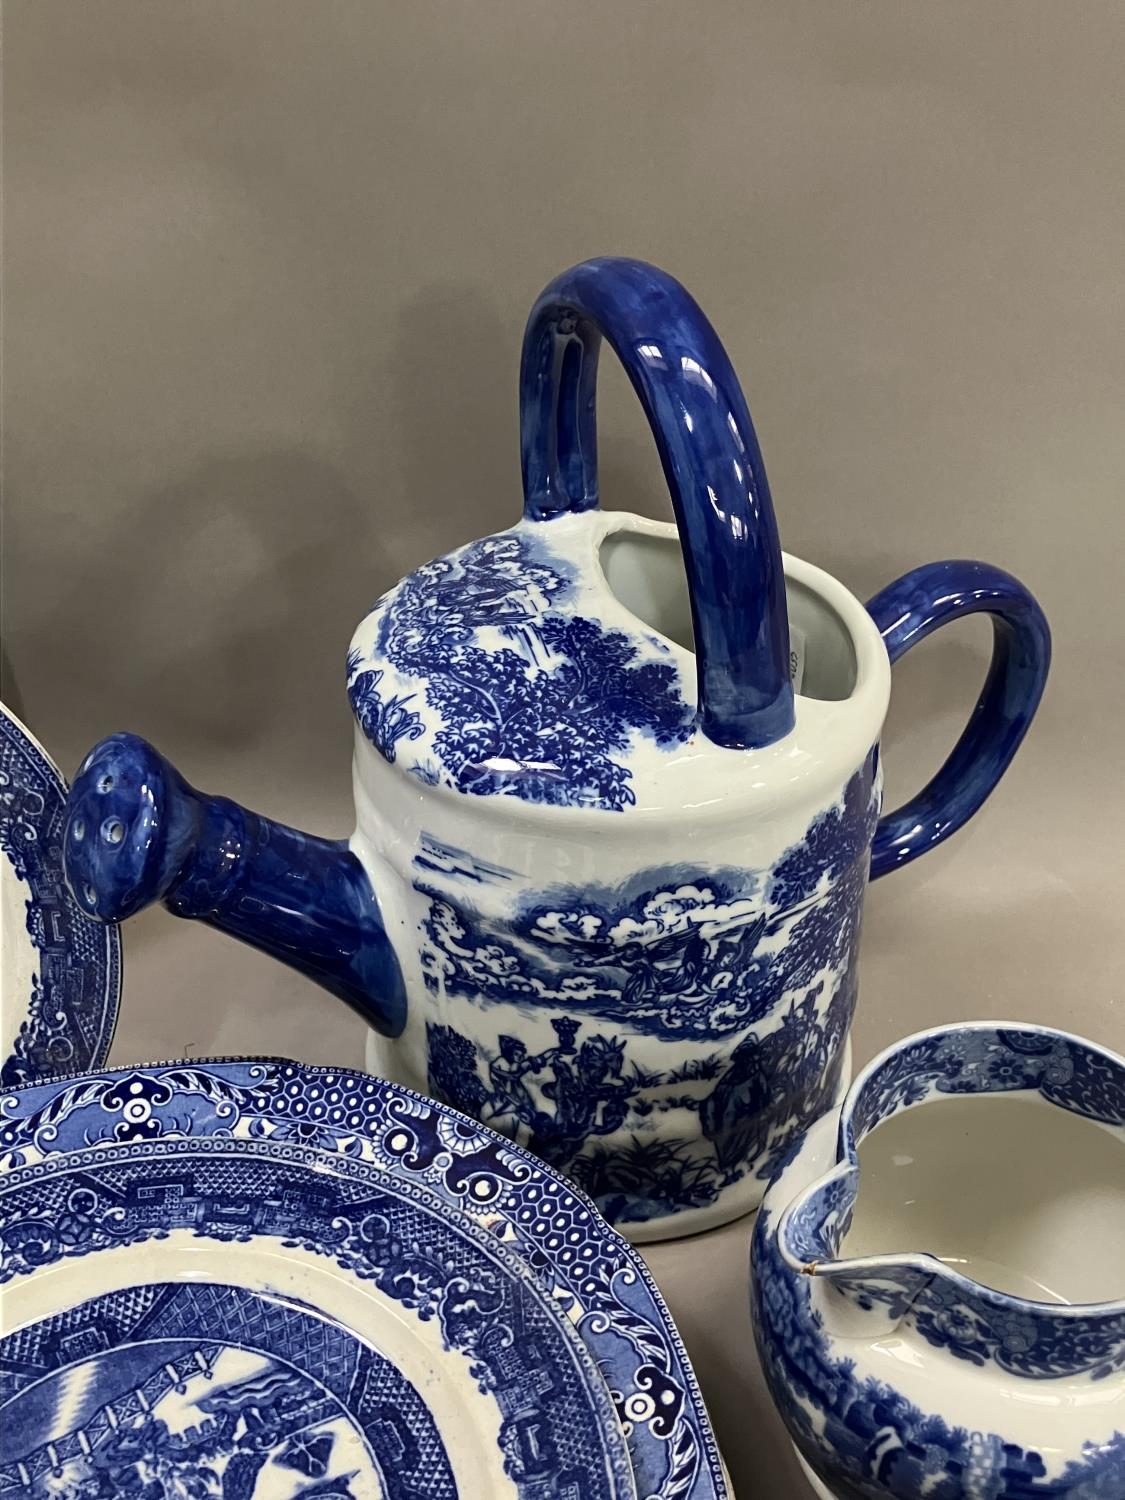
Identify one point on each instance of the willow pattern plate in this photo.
(593, 1275)
(248, 1318)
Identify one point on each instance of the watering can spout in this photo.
(136, 832)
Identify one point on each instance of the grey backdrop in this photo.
(267, 265)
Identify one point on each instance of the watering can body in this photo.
(617, 794)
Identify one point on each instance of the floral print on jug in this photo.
(507, 695)
(868, 1441)
(846, 1403)
(971, 1322)
(976, 1060)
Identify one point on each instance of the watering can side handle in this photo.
(711, 459)
(906, 611)
(136, 832)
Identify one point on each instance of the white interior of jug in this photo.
(646, 573)
(1014, 1192)
(20, 956)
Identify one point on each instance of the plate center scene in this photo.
(186, 1391)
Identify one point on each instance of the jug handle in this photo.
(711, 459)
(906, 611)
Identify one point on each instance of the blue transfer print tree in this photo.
(384, 721)
(776, 1085)
(766, 1096)
(453, 1068)
(540, 715)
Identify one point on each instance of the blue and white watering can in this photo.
(617, 794)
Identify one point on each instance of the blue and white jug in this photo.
(617, 794)
(938, 1281)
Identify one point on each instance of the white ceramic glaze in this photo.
(939, 1289)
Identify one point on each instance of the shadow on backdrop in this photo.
(258, 566)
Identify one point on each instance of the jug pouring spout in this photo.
(991, 1359)
(137, 832)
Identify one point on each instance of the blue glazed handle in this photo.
(711, 459)
(906, 612)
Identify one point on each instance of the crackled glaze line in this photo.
(852, 1411)
(200, 1389)
(972, 1322)
(867, 1441)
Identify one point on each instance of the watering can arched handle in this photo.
(906, 611)
(711, 460)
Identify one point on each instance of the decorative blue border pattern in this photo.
(72, 1009)
(568, 1249)
(508, 693)
(556, 1434)
(981, 1059)
(862, 1435)
(97, 1377)
(866, 1440)
(972, 1322)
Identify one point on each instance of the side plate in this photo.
(60, 976)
